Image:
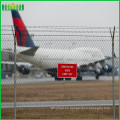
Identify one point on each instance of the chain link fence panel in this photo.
(39, 89)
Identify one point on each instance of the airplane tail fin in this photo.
(21, 33)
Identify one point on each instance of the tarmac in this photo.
(60, 104)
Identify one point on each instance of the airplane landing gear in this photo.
(97, 77)
(58, 79)
(67, 79)
(79, 78)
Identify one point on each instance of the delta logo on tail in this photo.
(21, 33)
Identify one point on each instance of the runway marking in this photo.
(60, 104)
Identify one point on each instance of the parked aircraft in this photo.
(87, 59)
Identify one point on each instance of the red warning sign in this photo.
(67, 70)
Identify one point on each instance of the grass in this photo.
(92, 90)
(62, 113)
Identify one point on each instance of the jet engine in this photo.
(107, 68)
(24, 69)
(100, 71)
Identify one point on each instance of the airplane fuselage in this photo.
(50, 58)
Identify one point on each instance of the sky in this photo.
(68, 13)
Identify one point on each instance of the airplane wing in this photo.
(103, 60)
(91, 66)
(17, 63)
(30, 51)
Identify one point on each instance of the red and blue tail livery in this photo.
(21, 33)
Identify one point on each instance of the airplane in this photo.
(87, 59)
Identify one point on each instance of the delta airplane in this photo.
(87, 59)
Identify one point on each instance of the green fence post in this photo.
(22, 7)
(3, 7)
(9, 7)
(19, 7)
(14, 7)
